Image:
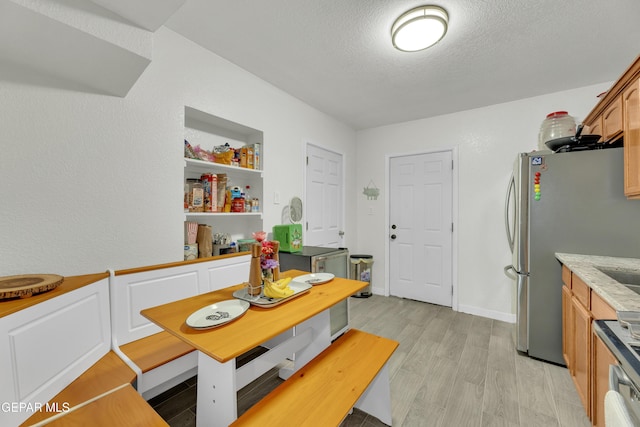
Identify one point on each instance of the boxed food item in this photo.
(243, 157)
(210, 187)
(250, 158)
(257, 156)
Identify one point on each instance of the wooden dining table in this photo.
(296, 330)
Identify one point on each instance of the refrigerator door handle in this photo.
(507, 205)
(507, 273)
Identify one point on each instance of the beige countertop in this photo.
(615, 294)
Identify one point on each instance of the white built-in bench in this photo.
(351, 372)
(159, 359)
(56, 354)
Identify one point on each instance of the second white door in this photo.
(421, 227)
(323, 209)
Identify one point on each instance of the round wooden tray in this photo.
(25, 285)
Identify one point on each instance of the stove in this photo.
(624, 379)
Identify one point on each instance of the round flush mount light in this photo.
(419, 28)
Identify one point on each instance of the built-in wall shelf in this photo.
(207, 131)
(202, 166)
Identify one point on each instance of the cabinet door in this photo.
(631, 110)
(601, 359)
(612, 120)
(582, 358)
(595, 128)
(568, 336)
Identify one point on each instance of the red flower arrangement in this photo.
(267, 261)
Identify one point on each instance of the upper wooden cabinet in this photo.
(612, 121)
(631, 108)
(618, 115)
(595, 128)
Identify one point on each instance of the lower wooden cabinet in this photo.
(568, 336)
(586, 356)
(582, 354)
(601, 358)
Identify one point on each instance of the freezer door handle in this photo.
(522, 313)
(507, 205)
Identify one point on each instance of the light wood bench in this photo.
(103, 377)
(351, 372)
(122, 406)
(159, 359)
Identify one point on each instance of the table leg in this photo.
(320, 339)
(217, 399)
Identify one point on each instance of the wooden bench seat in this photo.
(159, 359)
(122, 406)
(155, 350)
(103, 376)
(351, 372)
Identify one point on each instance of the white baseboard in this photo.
(491, 314)
(469, 309)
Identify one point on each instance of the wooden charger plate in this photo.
(25, 285)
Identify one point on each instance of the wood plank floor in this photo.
(451, 369)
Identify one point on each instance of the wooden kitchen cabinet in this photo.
(595, 128)
(585, 357)
(582, 345)
(568, 336)
(601, 358)
(631, 110)
(612, 120)
(617, 115)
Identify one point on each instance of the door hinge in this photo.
(307, 160)
(306, 226)
(452, 227)
(451, 164)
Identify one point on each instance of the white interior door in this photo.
(323, 198)
(420, 218)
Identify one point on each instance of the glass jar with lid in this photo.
(558, 124)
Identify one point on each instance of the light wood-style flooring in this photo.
(451, 369)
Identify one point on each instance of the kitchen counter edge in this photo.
(618, 296)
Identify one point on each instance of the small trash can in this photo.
(361, 270)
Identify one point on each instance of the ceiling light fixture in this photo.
(419, 28)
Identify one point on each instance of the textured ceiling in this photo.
(336, 55)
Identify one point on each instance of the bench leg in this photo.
(376, 399)
(217, 399)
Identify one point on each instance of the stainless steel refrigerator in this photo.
(576, 205)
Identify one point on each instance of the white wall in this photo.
(487, 140)
(90, 182)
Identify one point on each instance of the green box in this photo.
(289, 236)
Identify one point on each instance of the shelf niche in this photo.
(208, 131)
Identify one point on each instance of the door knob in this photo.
(393, 237)
(393, 227)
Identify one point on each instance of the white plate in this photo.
(217, 314)
(314, 278)
(265, 302)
